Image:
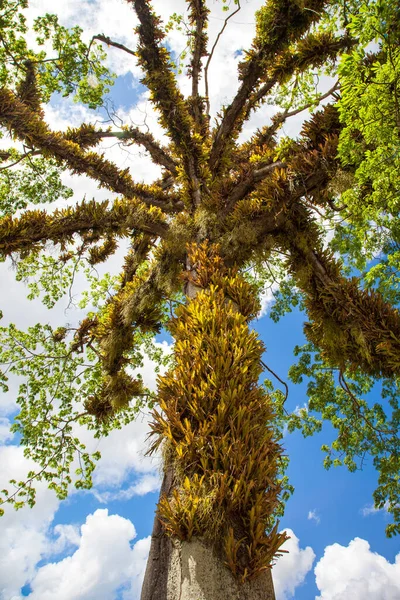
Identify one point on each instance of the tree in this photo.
(225, 219)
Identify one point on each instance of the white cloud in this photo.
(312, 516)
(5, 433)
(123, 471)
(122, 454)
(23, 540)
(291, 569)
(267, 299)
(103, 563)
(146, 484)
(67, 535)
(369, 509)
(355, 572)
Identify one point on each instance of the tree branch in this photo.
(247, 185)
(198, 17)
(159, 154)
(279, 27)
(351, 326)
(30, 128)
(87, 136)
(18, 160)
(312, 51)
(265, 136)
(210, 56)
(345, 387)
(161, 81)
(37, 227)
(285, 385)
(106, 40)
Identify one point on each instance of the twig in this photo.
(265, 137)
(110, 42)
(278, 378)
(345, 387)
(211, 55)
(26, 155)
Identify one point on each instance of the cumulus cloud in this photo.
(123, 472)
(28, 538)
(291, 569)
(66, 536)
(23, 540)
(355, 572)
(104, 562)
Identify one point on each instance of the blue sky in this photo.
(330, 512)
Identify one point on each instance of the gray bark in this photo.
(157, 568)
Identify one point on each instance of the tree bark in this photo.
(157, 569)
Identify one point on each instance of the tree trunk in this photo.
(191, 571)
(221, 483)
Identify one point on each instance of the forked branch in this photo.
(313, 51)
(248, 184)
(278, 27)
(265, 135)
(159, 155)
(161, 81)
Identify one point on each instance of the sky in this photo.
(94, 545)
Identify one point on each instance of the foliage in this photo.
(57, 375)
(37, 181)
(72, 67)
(362, 429)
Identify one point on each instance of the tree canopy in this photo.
(314, 216)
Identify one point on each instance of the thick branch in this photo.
(265, 136)
(106, 40)
(315, 50)
(159, 155)
(248, 184)
(161, 81)
(137, 305)
(198, 17)
(352, 327)
(281, 24)
(87, 136)
(114, 336)
(30, 128)
(263, 213)
(198, 13)
(35, 228)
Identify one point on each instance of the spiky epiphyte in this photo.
(217, 424)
